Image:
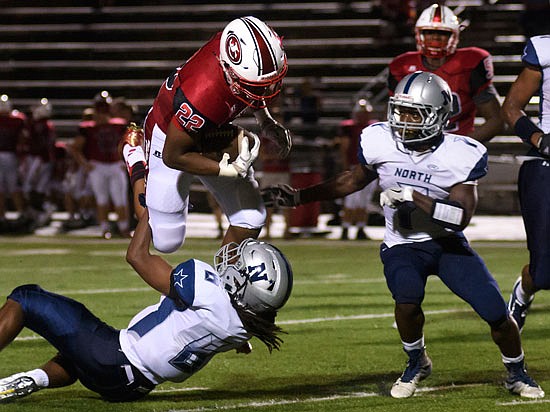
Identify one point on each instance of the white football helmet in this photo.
(43, 110)
(429, 98)
(441, 18)
(5, 104)
(256, 274)
(253, 60)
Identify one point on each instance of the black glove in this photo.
(544, 144)
(279, 134)
(281, 195)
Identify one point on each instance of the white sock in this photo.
(40, 377)
(522, 297)
(513, 360)
(133, 155)
(419, 344)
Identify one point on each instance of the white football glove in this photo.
(276, 132)
(281, 195)
(394, 195)
(244, 161)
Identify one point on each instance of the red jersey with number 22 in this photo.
(195, 96)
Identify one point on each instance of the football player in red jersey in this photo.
(188, 132)
(39, 160)
(13, 132)
(468, 71)
(96, 149)
(355, 205)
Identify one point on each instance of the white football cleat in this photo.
(419, 367)
(520, 383)
(17, 386)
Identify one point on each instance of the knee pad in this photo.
(168, 230)
(168, 240)
(248, 218)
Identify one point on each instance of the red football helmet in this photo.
(253, 60)
(439, 18)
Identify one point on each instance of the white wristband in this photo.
(133, 154)
(226, 169)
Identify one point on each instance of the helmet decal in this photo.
(233, 48)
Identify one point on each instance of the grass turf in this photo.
(341, 352)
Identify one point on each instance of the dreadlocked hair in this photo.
(260, 325)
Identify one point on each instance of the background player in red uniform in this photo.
(13, 132)
(468, 71)
(96, 149)
(39, 160)
(355, 205)
(188, 132)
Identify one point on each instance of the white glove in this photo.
(245, 159)
(279, 134)
(394, 195)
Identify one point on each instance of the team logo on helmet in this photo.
(233, 49)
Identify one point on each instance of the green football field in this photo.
(341, 352)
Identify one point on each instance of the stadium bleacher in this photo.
(68, 53)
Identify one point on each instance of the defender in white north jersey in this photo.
(203, 311)
(457, 160)
(429, 196)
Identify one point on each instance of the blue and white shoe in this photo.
(520, 383)
(419, 367)
(517, 309)
(16, 386)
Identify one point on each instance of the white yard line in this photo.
(349, 395)
(523, 402)
(258, 404)
(303, 321)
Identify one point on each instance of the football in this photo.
(216, 143)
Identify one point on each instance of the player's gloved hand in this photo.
(244, 161)
(281, 195)
(394, 195)
(544, 144)
(276, 132)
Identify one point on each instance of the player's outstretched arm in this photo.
(153, 269)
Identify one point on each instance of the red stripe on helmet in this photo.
(266, 58)
(437, 15)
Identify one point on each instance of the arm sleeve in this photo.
(481, 79)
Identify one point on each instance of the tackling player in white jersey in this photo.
(429, 195)
(202, 311)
